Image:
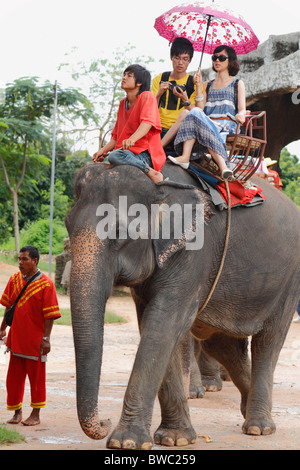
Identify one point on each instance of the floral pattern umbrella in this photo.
(207, 26)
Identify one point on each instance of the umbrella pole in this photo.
(207, 28)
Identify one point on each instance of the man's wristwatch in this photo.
(45, 338)
(187, 103)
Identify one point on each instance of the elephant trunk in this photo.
(89, 289)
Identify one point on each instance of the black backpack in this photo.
(173, 100)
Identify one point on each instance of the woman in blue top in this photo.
(208, 124)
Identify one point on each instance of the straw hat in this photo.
(269, 162)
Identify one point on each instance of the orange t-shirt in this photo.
(145, 109)
(38, 303)
(277, 181)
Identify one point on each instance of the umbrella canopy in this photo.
(207, 26)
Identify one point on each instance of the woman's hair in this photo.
(233, 63)
(141, 75)
(182, 46)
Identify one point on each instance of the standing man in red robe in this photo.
(28, 339)
(136, 135)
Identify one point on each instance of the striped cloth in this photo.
(221, 103)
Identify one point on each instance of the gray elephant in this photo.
(204, 373)
(171, 278)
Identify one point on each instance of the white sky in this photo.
(35, 35)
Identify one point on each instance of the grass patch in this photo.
(9, 259)
(113, 318)
(9, 437)
(13, 260)
(66, 317)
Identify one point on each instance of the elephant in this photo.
(205, 374)
(201, 373)
(171, 277)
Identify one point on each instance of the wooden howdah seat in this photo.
(245, 148)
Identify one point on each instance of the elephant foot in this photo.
(196, 392)
(256, 427)
(174, 437)
(212, 384)
(224, 374)
(129, 437)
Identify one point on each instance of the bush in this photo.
(290, 175)
(38, 234)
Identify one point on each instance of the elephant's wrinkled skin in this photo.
(256, 296)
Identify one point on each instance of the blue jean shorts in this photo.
(126, 157)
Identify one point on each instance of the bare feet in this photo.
(16, 417)
(33, 419)
(155, 176)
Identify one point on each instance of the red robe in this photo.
(277, 181)
(145, 109)
(238, 193)
(38, 303)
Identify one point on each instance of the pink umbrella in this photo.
(207, 26)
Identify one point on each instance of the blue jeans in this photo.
(126, 157)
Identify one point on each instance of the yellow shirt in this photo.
(169, 116)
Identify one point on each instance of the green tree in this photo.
(67, 164)
(25, 116)
(5, 230)
(292, 190)
(38, 233)
(102, 77)
(62, 203)
(290, 175)
(290, 167)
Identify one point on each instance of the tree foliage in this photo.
(102, 78)
(25, 131)
(290, 175)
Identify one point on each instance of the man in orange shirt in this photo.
(274, 177)
(136, 135)
(28, 339)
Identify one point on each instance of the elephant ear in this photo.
(178, 218)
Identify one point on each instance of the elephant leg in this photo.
(209, 369)
(186, 353)
(196, 390)
(232, 353)
(156, 348)
(265, 349)
(190, 371)
(175, 428)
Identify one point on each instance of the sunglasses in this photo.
(221, 58)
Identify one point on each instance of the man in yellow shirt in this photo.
(175, 91)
